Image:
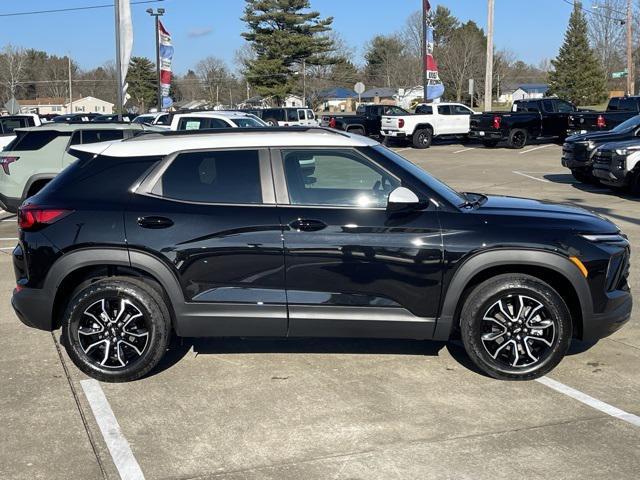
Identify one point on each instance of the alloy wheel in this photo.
(113, 332)
(517, 331)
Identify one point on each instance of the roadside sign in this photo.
(359, 88)
(619, 74)
(12, 106)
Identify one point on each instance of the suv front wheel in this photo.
(116, 329)
(515, 327)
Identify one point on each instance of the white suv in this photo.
(219, 119)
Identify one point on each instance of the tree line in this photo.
(292, 49)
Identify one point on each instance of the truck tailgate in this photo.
(390, 122)
(481, 122)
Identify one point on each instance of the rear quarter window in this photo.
(33, 140)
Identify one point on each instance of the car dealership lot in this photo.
(322, 408)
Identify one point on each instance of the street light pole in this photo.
(157, 14)
(488, 78)
(630, 72)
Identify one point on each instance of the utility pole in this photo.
(157, 14)
(425, 80)
(630, 72)
(304, 82)
(70, 90)
(488, 78)
(120, 97)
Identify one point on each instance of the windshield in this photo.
(630, 124)
(440, 188)
(248, 122)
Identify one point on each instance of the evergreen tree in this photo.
(143, 82)
(283, 34)
(577, 74)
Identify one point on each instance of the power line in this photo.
(72, 9)
(596, 14)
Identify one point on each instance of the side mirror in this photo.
(401, 198)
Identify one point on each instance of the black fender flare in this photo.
(351, 126)
(422, 126)
(116, 256)
(494, 258)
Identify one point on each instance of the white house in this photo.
(59, 105)
(293, 101)
(90, 105)
(524, 91)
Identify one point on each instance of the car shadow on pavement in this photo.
(180, 347)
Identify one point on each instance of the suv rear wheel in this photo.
(515, 327)
(116, 329)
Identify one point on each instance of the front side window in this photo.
(213, 177)
(247, 122)
(292, 115)
(8, 125)
(565, 107)
(444, 109)
(163, 120)
(336, 177)
(195, 123)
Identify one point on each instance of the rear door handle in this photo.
(155, 222)
(306, 225)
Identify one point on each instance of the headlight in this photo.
(622, 151)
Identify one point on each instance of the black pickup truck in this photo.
(528, 120)
(619, 109)
(366, 121)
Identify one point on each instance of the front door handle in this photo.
(155, 222)
(306, 225)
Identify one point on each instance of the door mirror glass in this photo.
(401, 198)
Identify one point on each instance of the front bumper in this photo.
(609, 168)
(576, 157)
(604, 324)
(10, 204)
(33, 307)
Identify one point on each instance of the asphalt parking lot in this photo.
(334, 409)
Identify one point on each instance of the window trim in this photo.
(148, 184)
(280, 179)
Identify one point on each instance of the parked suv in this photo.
(617, 164)
(37, 154)
(227, 234)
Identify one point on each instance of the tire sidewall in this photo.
(486, 295)
(142, 299)
(422, 138)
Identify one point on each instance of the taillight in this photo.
(332, 122)
(31, 217)
(400, 122)
(6, 161)
(496, 122)
(600, 122)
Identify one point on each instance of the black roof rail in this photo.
(214, 131)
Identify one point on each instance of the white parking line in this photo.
(535, 148)
(401, 149)
(590, 401)
(119, 448)
(465, 150)
(8, 238)
(7, 248)
(529, 176)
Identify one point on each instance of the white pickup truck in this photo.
(9, 123)
(428, 121)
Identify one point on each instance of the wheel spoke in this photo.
(90, 347)
(501, 347)
(528, 350)
(118, 352)
(539, 339)
(492, 336)
(504, 311)
(106, 352)
(139, 352)
(514, 349)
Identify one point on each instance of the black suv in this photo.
(234, 234)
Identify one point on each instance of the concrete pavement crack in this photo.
(83, 417)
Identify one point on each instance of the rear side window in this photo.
(613, 104)
(628, 104)
(213, 177)
(247, 122)
(292, 115)
(195, 123)
(163, 120)
(460, 110)
(276, 114)
(547, 106)
(444, 109)
(8, 125)
(33, 140)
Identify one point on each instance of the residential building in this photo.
(59, 105)
(337, 99)
(91, 105)
(384, 95)
(524, 91)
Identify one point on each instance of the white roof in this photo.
(160, 145)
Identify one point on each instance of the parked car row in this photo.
(610, 157)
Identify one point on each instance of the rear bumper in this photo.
(393, 133)
(10, 204)
(483, 135)
(604, 324)
(33, 307)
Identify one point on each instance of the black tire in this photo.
(140, 345)
(357, 131)
(518, 138)
(271, 121)
(490, 143)
(492, 351)
(634, 184)
(584, 177)
(422, 138)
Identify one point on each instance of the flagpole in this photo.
(120, 100)
(424, 52)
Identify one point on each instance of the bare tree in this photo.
(12, 69)
(607, 32)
